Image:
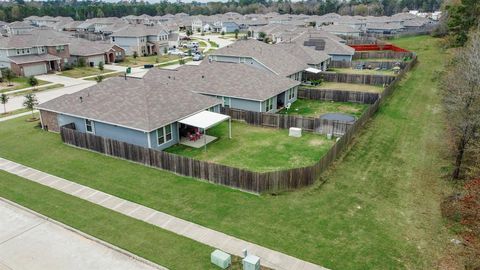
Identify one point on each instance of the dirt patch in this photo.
(344, 108)
(5, 85)
(316, 142)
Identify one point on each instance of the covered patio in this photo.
(193, 129)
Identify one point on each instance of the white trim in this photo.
(92, 125)
(149, 141)
(41, 120)
(164, 134)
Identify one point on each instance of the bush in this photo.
(81, 62)
(100, 66)
(99, 78)
(135, 55)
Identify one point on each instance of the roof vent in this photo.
(81, 99)
(203, 76)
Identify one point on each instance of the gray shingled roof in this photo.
(139, 30)
(274, 58)
(33, 58)
(230, 79)
(307, 54)
(134, 103)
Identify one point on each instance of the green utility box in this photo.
(129, 70)
(221, 259)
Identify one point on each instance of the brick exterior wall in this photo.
(49, 121)
(62, 54)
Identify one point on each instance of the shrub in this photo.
(100, 66)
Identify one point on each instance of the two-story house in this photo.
(32, 53)
(143, 39)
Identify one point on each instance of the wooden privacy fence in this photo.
(373, 64)
(381, 54)
(372, 79)
(338, 95)
(284, 121)
(247, 180)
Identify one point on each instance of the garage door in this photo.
(35, 69)
(95, 60)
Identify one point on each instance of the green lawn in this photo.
(38, 89)
(315, 108)
(143, 60)
(258, 149)
(376, 208)
(362, 71)
(80, 72)
(348, 87)
(107, 76)
(18, 83)
(2, 114)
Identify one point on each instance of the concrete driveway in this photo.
(215, 38)
(30, 241)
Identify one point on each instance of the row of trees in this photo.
(81, 10)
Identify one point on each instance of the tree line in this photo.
(81, 10)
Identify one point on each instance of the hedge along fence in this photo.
(372, 79)
(258, 182)
(373, 64)
(338, 95)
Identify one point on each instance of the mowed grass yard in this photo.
(315, 108)
(80, 72)
(17, 83)
(377, 209)
(258, 148)
(348, 87)
(129, 61)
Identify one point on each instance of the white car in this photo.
(176, 52)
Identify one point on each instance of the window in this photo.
(269, 105)
(291, 93)
(164, 134)
(113, 39)
(226, 102)
(60, 48)
(89, 126)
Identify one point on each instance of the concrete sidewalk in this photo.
(29, 240)
(227, 243)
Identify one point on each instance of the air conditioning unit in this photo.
(251, 262)
(221, 259)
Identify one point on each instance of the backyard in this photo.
(315, 108)
(347, 87)
(80, 72)
(376, 208)
(17, 83)
(258, 149)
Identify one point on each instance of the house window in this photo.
(226, 102)
(291, 93)
(113, 39)
(60, 48)
(89, 126)
(164, 134)
(269, 105)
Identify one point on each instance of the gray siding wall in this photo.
(248, 105)
(338, 57)
(106, 130)
(175, 138)
(129, 44)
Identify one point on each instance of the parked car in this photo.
(176, 52)
(185, 38)
(197, 57)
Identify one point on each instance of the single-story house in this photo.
(316, 59)
(262, 56)
(237, 85)
(144, 112)
(342, 30)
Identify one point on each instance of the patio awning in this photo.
(204, 119)
(313, 70)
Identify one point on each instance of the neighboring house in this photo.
(145, 40)
(229, 27)
(384, 28)
(239, 85)
(143, 112)
(34, 53)
(262, 56)
(315, 59)
(18, 28)
(342, 30)
(95, 52)
(326, 42)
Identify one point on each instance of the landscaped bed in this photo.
(258, 149)
(315, 108)
(348, 87)
(80, 72)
